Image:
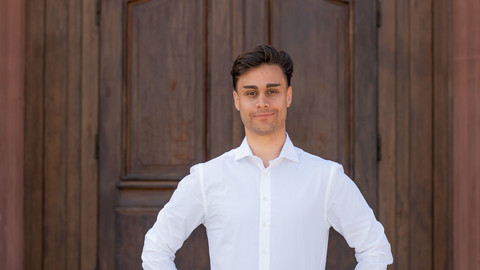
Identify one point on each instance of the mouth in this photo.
(263, 115)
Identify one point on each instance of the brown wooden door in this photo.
(166, 102)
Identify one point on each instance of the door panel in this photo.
(166, 102)
(165, 93)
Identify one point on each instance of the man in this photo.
(266, 204)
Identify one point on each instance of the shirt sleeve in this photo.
(175, 222)
(349, 214)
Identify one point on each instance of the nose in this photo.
(262, 102)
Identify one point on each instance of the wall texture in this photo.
(12, 37)
(466, 133)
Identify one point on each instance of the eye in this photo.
(272, 91)
(251, 93)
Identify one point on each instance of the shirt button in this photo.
(264, 224)
(265, 198)
(264, 172)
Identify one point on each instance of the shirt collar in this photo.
(288, 150)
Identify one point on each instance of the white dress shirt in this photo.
(267, 218)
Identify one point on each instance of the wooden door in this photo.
(166, 102)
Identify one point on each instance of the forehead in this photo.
(264, 74)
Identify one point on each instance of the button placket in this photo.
(265, 216)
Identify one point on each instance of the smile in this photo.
(263, 115)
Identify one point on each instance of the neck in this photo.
(266, 147)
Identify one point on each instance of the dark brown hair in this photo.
(263, 54)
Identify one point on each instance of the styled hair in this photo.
(262, 54)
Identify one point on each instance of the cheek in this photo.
(242, 108)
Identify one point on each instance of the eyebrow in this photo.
(255, 87)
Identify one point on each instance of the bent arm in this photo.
(350, 215)
(175, 222)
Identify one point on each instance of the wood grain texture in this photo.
(421, 122)
(89, 129)
(442, 136)
(63, 136)
(12, 101)
(219, 85)
(55, 147)
(110, 100)
(165, 88)
(152, 116)
(34, 132)
(73, 134)
(60, 124)
(402, 122)
(413, 127)
(365, 107)
(386, 121)
(466, 134)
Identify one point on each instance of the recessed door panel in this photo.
(165, 88)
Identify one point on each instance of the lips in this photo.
(261, 115)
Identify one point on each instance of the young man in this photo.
(266, 204)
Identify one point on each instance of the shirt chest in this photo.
(278, 197)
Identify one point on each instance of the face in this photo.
(262, 97)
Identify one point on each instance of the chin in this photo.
(264, 132)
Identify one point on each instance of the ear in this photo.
(289, 96)
(235, 100)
